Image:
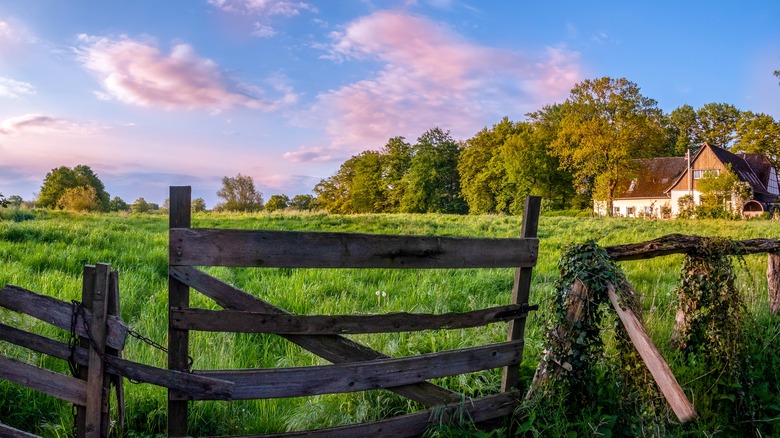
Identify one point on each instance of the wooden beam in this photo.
(773, 281)
(57, 313)
(414, 425)
(97, 393)
(261, 322)
(48, 382)
(521, 290)
(361, 376)
(190, 385)
(10, 432)
(302, 249)
(334, 348)
(180, 216)
(682, 244)
(658, 367)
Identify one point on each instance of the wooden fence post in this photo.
(521, 291)
(178, 298)
(87, 288)
(97, 394)
(773, 280)
(118, 381)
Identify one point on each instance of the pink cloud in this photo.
(40, 124)
(138, 73)
(431, 76)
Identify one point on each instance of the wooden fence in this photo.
(356, 367)
(98, 337)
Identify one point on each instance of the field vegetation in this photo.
(45, 252)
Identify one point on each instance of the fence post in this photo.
(97, 394)
(520, 291)
(87, 288)
(773, 280)
(179, 298)
(118, 381)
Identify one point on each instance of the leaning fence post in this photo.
(773, 281)
(118, 381)
(178, 297)
(521, 291)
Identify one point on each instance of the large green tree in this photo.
(432, 184)
(63, 178)
(396, 160)
(277, 202)
(758, 134)
(606, 123)
(682, 131)
(717, 124)
(239, 194)
(356, 187)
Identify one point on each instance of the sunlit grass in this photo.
(47, 255)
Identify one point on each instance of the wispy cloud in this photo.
(430, 76)
(137, 73)
(40, 124)
(13, 36)
(12, 88)
(264, 10)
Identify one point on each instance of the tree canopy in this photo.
(76, 183)
(606, 123)
(239, 194)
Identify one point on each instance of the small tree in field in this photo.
(141, 206)
(117, 204)
(3, 202)
(277, 202)
(240, 194)
(302, 202)
(198, 205)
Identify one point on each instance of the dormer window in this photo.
(632, 186)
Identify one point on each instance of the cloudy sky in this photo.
(153, 93)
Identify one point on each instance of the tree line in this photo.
(569, 153)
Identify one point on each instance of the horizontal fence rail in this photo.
(299, 249)
(257, 322)
(362, 376)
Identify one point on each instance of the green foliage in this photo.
(198, 205)
(58, 182)
(3, 201)
(81, 198)
(302, 202)
(758, 134)
(277, 202)
(117, 204)
(717, 124)
(141, 206)
(605, 123)
(239, 194)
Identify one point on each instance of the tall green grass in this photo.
(47, 255)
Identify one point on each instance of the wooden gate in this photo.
(355, 367)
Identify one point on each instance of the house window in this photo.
(630, 211)
(699, 173)
(648, 210)
(615, 211)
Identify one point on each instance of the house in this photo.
(659, 183)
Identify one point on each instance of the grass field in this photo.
(47, 254)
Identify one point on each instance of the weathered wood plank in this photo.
(57, 313)
(361, 376)
(116, 380)
(97, 394)
(681, 244)
(521, 290)
(414, 425)
(180, 216)
(10, 432)
(256, 322)
(773, 281)
(299, 249)
(658, 367)
(333, 348)
(48, 382)
(189, 385)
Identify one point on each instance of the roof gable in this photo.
(653, 177)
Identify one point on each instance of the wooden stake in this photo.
(658, 367)
(773, 279)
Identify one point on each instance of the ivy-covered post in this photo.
(773, 280)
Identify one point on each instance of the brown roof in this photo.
(739, 166)
(760, 165)
(654, 176)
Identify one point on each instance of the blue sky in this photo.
(157, 93)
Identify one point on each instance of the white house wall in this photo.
(644, 207)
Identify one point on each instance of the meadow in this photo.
(46, 254)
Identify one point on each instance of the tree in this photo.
(606, 123)
(277, 202)
(117, 204)
(396, 160)
(141, 206)
(432, 183)
(758, 134)
(717, 124)
(80, 198)
(777, 73)
(682, 129)
(717, 192)
(198, 205)
(302, 202)
(62, 178)
(3, 201)
(14, 200)
(240, 194)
